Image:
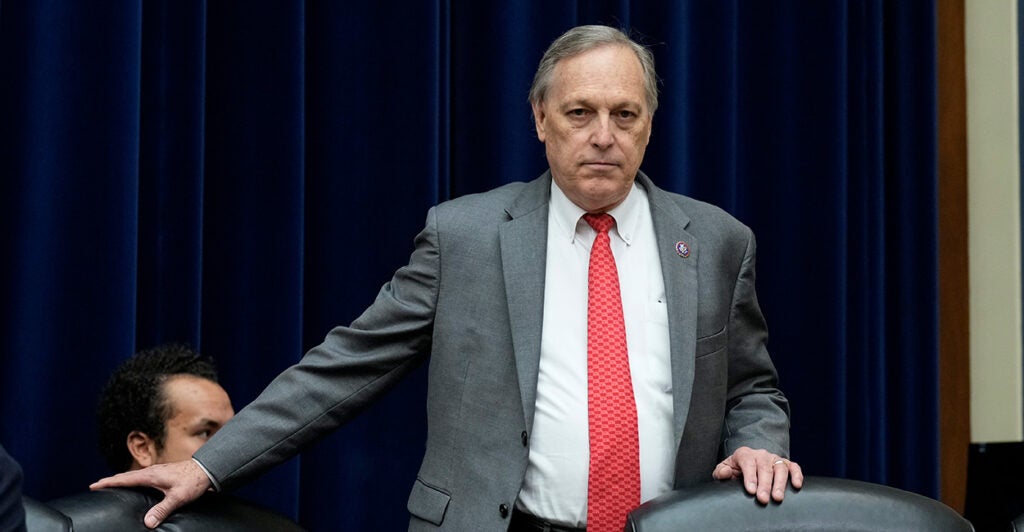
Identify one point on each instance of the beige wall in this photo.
(993, 220)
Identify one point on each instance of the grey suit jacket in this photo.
(471, 298)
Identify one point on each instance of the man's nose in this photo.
(601, 137)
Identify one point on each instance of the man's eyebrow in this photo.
(587, 102)
(576, 102)
(207, 422)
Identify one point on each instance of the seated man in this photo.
(160, 406)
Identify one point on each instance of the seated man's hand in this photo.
(763, 473)
(181, 482)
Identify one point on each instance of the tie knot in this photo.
(600, 222)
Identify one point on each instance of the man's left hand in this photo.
(764, 474)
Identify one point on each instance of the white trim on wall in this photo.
(993, 212)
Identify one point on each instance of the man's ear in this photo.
(538, 119)
(142, 449)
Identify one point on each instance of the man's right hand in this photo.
(181, 482)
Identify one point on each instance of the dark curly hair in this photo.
(133, 398)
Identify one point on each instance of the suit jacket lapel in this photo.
(681, 289)
(524, 239)
(523, 242)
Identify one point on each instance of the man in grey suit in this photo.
(495, 294)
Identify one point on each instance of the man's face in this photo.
(199, 408)
(595, 125)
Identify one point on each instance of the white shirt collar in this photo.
(569, 216)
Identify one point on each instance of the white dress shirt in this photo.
(555, 487)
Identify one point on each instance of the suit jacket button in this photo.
(503, 510)
(526, 438)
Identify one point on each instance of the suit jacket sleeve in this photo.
(337, 379)
(757, 413)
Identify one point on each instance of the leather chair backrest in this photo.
(824, 504)
(40, 517)
(1017, 525)
(122, 509)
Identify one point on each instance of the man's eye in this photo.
(205, 434)
(626, 114)
(578, 112)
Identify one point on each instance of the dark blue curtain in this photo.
(242, 176)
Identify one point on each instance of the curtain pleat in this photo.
(69, 174)
(173, 122)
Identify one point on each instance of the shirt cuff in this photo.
(213, 481)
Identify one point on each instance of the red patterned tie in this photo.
(614, 486)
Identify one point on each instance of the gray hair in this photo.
(583, 39)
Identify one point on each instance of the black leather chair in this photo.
(40, 517)
(824, 504)
(122, 509)
(1017, 525)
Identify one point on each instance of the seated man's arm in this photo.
(12, 515)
